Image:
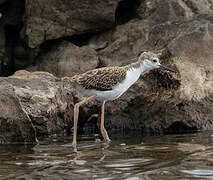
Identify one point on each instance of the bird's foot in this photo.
(108, 140)
(106, 143)
(74, 145)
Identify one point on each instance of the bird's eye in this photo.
(154, 60)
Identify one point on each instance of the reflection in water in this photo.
(188, 156)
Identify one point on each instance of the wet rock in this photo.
(15, 124)
(44, 99)
(54, 19)
(34, 103)
(67, 59)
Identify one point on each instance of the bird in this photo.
(109, 83)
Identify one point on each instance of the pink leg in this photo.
(103, 130)
(76, 112)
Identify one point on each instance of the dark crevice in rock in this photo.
(44, 48)
(179, 127)
(12, 15)
(79, 40)
(126, 10)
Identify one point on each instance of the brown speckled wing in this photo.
(102, 79)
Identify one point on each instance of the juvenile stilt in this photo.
(109, 83)
(76, 113)
(103, 130)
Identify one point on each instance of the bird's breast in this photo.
(132, 76)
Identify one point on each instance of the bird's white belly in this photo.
(101, 95)
(131, 77)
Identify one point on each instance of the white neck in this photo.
(144, 67)
(135, 70)
(132, 75)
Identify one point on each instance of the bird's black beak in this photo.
(168, 69)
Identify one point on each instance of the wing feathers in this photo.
(101, 79)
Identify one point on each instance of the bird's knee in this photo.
(76, 106)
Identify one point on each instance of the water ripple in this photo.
(174, 157)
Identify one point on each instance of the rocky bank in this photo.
(52, 39)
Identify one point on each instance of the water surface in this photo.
(188, 156)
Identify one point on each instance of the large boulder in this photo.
(33, 104)
(44, 98)
(160, 23)
(58, 18)
(158, 11)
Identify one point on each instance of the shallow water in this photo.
(188, 156)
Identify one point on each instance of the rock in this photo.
(34, 103)
(162, 102)
(67, 59)
(159, 25)
(44, 99)
(54, 19)
(15, 124)
(158, 11)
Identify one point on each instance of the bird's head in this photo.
(151, 61)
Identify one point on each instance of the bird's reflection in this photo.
(79, 154)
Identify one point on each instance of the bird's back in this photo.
(101, 79)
